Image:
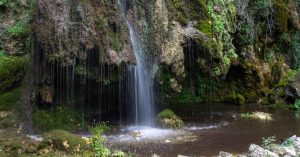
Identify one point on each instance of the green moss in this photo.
(10, 99)
(245, 34)
(297, 104)
(236, 99)
(100, 21)
(295, 49)
(12, 71)
(265, 101)
(168, 119)
(7, 122)
(246, 115)
(59, 137)
(282, 14)
(61, 117)
(167, 113)
(20, 29)
(205, 27)
(116, 41)
(288, 78)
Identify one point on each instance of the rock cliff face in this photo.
(81, 54)
(234, 51)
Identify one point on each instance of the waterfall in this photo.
(143, 102)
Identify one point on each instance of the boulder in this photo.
(168, 119)
(225, 154)
(293, 89)
(63, 140)
(257, 151)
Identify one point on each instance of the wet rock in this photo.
(261, 116)
(182, 156)
(257, 151)
(225, 154)
(65, 141)
(289, 151)
(293, 89)
(155, 155)
(168, 119)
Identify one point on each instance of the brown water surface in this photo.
(234, 135)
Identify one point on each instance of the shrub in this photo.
(297, 104)
(98, 141)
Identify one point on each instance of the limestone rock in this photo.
(225, 154)
(257, 151)
(168, 119)
(293, 89)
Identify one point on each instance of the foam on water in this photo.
(213, 126)
(141, 133)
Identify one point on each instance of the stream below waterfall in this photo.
(215, 129)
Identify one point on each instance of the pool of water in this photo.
(207, 133)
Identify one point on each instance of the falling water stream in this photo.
(143, 84)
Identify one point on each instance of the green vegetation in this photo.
(4, 3)
(168, 119)
(20, 29)
(245, 34)
(116, 41)
(247, 115)
(295, 48)
(9, 100)
(263, 8)
(288, 78)
(12, 71)
(205, 27)
(61, 117)
(99, 128)
(98, 141)
(297, 104)
(236, 99)
(65, 141)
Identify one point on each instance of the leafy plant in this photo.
(118, 153)
(217, 71)
(246, 115)
(99, 128)
(268, 142)
(98, 141)
(4, 3)
(297, 104)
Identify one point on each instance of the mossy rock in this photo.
(265, 101)
(168, 119)
(236, 99)
(65, 141)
